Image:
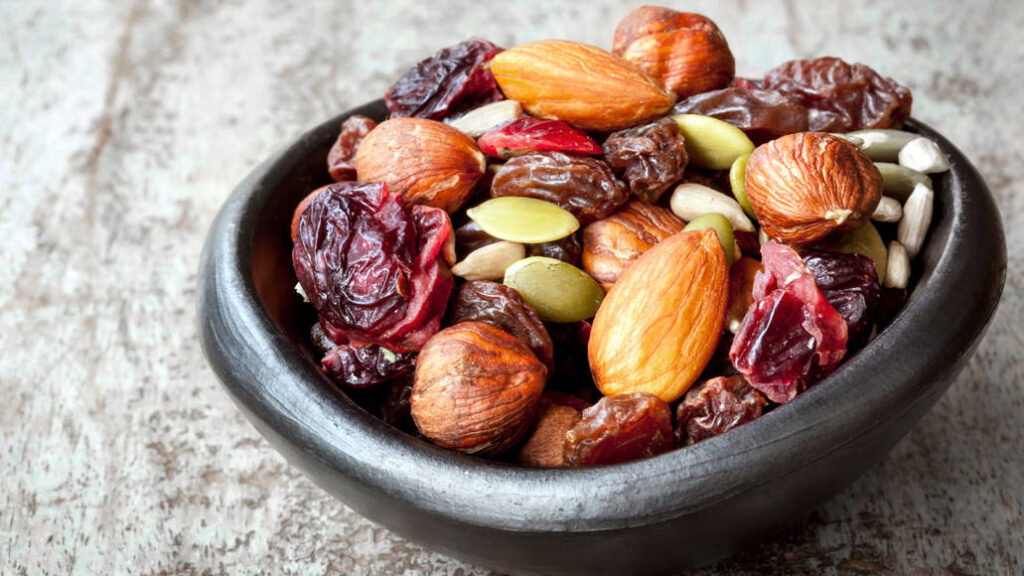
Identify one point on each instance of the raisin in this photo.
(791, 337)
(502, 307)
(448, 84)
(341, 160)
(372, 267)
(523, 135)
(584, 186)
(716, 406)
(650, 158)
(395, 409)
(571, 374)
(841, 97)
(620, 428)
(850, 284)
(763, 114)
(362, 366)
(470, 236)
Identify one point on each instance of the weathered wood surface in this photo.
(123, 126)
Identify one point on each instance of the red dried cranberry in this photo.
(522, 135)
(341, 160)
(850, 284)
(366, 365)
(791, 336)
(448, 84)
(371, 266)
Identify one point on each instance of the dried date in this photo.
(341, 160)
(502, 307)
(584, 186)
(650, 158)
(841, 97)
(715, 407)
(763, 114)
(620, 428)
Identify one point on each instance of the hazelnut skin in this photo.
(612, 244)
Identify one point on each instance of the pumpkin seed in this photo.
(557, 290)
(737, 178)
(864, 240)
(711, 143)
(883, 144)
(525, 220)
(720, 224)
(899, 181)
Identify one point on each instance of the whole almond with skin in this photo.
(659, 325)
(426, 161)
(686, 52)
(807, 186)
(612, 244)
(579, 84)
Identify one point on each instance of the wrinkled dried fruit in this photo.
(302, 208)
(427, 162)
(584, 186)
(503, 308)
(523, 219)
(650, 158)
(341, 159)
(477, 389)
(545, 445)
(864, 240)
(659, 324)
(850, 284)
(390, 287)
(685, 52)
(620, 428)
(791, 337)
(558, 291)
(366, 365)
(712, 144)
(580, 84)
(612, 244)
(762, 114)
(524, 135)
(808, 186)
(567, 249)
(715, 407)
(841, 97)
(741, 291)
(447, 84)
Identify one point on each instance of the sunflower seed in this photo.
(897, 271)
(923, 155)
(917, 216)
(888, 210)
(691, 201)
(479, 120)
(489, 262)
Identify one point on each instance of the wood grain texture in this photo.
(125, 125)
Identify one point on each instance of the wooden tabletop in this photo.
(125, 125)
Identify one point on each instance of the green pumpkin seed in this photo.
(899, 181)
(711, 143)
(737, 178)
(557, 290)
(524, 220)
(864, 240)
(720, 224)
(883, 145)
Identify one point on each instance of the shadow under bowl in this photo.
(665, 514)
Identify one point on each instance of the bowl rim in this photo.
(293, 398)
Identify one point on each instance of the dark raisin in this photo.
(448, 84)
(371, 267)
(650, 158)
(341, 160)
(523, 135)
(395, 409)
(567, 249)
(362, 366)
(763, 114)
(503, 308)
(850, 284)
(841, 97)
(582, 185)
(716, 406)
(620, 428)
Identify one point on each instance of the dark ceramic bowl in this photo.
(664, 514)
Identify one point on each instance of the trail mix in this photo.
(563, 256)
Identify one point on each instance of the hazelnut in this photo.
(477, 389)
(612, 244)
(425, 161)
(807, 186)
(544, 445)
(685, 52)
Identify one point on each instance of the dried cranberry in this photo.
(620, 428)
(341, 160)
(715, 407)
(650, 158)
(366, 365)
(503, 308)
(371, 266)
(763, 114)
(841, 97)
(791, 336)
(522, 135)
(451, 82)
(850, 284)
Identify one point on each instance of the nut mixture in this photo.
(558, 255)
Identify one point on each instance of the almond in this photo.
(580, 84)
(658, 326)
(427, 162)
